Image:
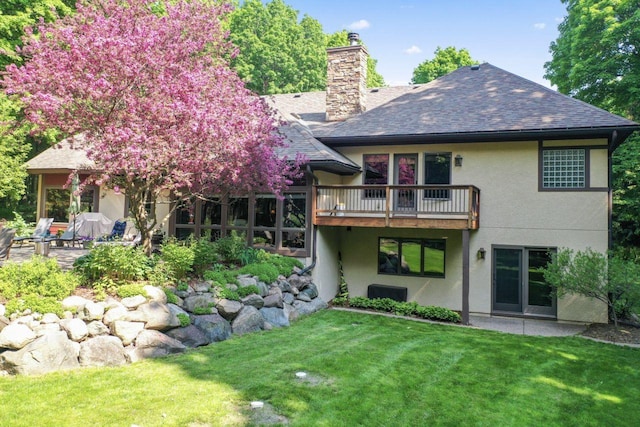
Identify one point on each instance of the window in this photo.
(57, 204)
(376, 172)
(564, 168)
(437, 170)
(411, 257)
(294, 220)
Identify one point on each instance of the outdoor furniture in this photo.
(69, 237)
(6, 240)
(41, 231)
(92, 225)
(116, 233)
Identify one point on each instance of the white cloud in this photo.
(359, 25)
(413, 50)
(540, 26)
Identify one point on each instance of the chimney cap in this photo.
(353, 38)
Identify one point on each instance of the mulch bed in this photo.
(624, 334)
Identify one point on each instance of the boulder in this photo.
(103, 350)
(311, 290)
(45, 328)
(248, 320)
(3, 310)
(254, 300)
(3, 322)
(76, 329)
(288, 298)
(50, 318)
(199, 301)
(74, 303)
(215, 327)
(97, 328)
(93, 311)
(246, 280)
(202, 287)
(274, 300)
(51, 352)
(306, 308)
(291, 313)
(264, 289)
(155, 294)
(113, 314)
(190, 336)
(154, 344)
(126, 331)
(303, 297)
(16, 335)
(135, 316)
(133, 302)
(229, 309)
(284, 285)
(158, 316)
(275, 316)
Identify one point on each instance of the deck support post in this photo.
(465, 276)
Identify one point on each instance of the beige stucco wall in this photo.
(513, 212)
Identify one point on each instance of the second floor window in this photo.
(437, 170)
(376, 172)
(564, 168)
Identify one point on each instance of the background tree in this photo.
(341, 38)
(278, 54)
(16, 144)
(445, 61)
(596, 58)
(160, 109)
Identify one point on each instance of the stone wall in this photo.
(115, 332)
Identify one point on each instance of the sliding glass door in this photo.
(518, 282)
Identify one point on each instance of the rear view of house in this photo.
(453, 193)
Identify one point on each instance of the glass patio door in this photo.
(405, 174)
(518, 284)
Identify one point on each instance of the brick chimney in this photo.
(346, 80)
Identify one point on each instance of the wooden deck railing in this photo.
(430, 206)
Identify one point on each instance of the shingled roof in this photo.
(63, 157)
(479, 103)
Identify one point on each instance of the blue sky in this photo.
(511, 34)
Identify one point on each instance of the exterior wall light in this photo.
(481, 253)
(458, 160)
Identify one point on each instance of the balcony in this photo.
(452, 207)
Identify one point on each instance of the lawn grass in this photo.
(367, 370)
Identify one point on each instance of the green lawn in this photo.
(368, 370)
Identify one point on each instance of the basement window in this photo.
(412, 257)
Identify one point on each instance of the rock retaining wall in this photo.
(115, 332)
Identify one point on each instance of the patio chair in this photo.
(6, 240)
(41, 231)
(117, 233)
(68, 236)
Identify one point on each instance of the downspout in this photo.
(314, 252)
(613, 143)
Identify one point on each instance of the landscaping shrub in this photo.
(266, 272)
(184, 319)
(171, 297)
(226, 293)
(39, 276)
(222, 277)
(119, 264)
(22, 227)
(204, 255)
(131, 290)
(229, 248)
(177, 258)
(405, 308)
(35, 303)
(284, 264)
(248, 290)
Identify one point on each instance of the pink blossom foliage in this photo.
(150, 88)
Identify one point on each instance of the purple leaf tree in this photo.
(148, 86)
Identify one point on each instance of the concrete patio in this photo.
(64, 255)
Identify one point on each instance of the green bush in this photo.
(405, 308)
(185, 320)
(202, 310)
(226, 293)
(229, 248)
(248, 290)
(178, 259)
(39, 276)
(266, 272)
(204, 255)
(171, 297)
(35, 303)
(222, 277)
(118, 263)
(284, 264)
(130, 290)
(22, 227)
